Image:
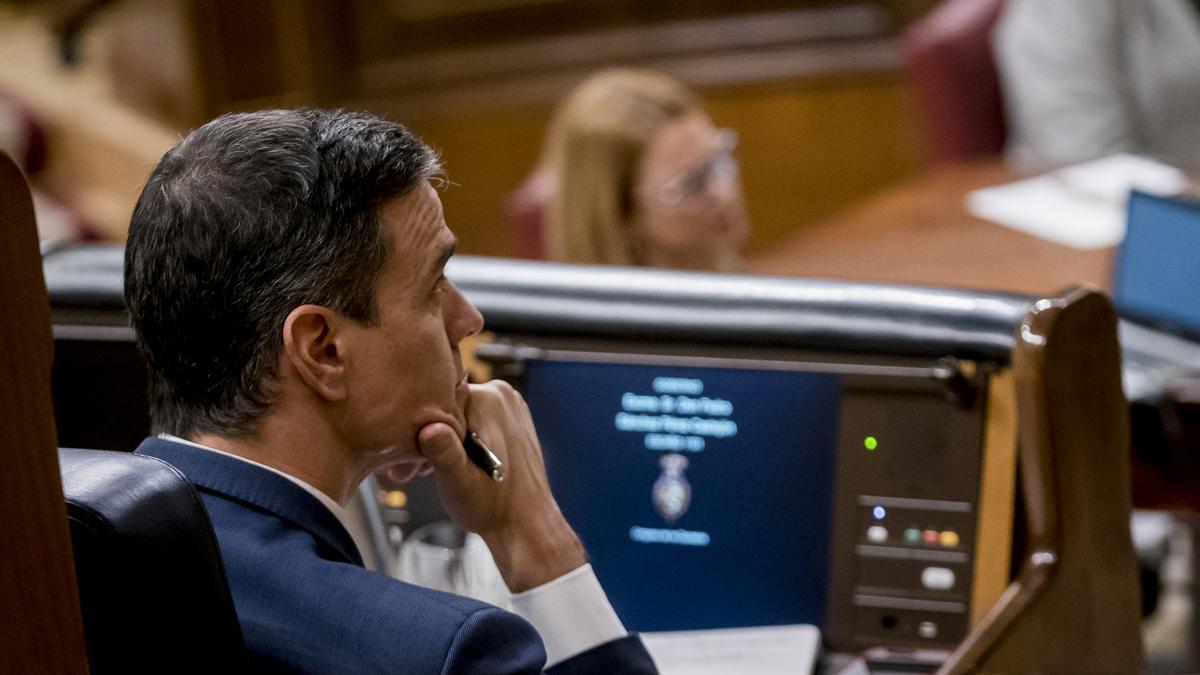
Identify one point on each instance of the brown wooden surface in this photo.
(41, 629)
(919, 232)
(997, 485)
(1075, 606)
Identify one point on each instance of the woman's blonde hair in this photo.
(593, 149)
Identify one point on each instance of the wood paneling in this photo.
(808, 151)
(486, 155)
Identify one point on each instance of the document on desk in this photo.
(1081, 206)
(750, 651)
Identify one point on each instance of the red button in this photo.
(929, 536)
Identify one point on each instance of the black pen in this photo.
(483, 457)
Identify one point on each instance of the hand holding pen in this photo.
(483, 457)
(491, 479)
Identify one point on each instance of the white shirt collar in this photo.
(335, 508)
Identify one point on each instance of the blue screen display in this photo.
(1158, 263)
(703, 495)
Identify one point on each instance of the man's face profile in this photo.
(406, 372)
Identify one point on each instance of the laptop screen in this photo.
(1157, 276)
(703, 495)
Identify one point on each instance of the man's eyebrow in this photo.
(444, 254)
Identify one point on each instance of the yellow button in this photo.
(395, 499)
(948, 538)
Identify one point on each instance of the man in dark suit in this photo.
(284, 275)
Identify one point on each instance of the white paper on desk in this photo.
(1082, 206)
(752, 651)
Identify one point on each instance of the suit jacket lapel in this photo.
(270, 492)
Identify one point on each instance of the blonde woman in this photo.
(635, 173)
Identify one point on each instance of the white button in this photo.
(937, 578)
(927, 630)
(877, 534)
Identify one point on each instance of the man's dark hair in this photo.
(248, 217)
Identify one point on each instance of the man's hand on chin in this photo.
(517, 517)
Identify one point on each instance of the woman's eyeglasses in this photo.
(718, 167)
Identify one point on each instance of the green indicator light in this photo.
(870, 443)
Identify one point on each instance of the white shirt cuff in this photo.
(571, 613)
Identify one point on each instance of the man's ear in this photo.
(311, 345)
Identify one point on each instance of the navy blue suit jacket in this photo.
(306, 603)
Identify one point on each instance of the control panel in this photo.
(904, 534)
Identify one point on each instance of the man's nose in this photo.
(463, 319)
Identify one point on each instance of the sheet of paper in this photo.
(1082, 206)
(751, 651)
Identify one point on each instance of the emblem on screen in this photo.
(672, 493)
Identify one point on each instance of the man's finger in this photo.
(441, 446)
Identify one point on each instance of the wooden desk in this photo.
(920, 233)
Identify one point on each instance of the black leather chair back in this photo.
(151, 579)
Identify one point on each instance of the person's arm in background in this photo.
(536, 551)
(1065, 84)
